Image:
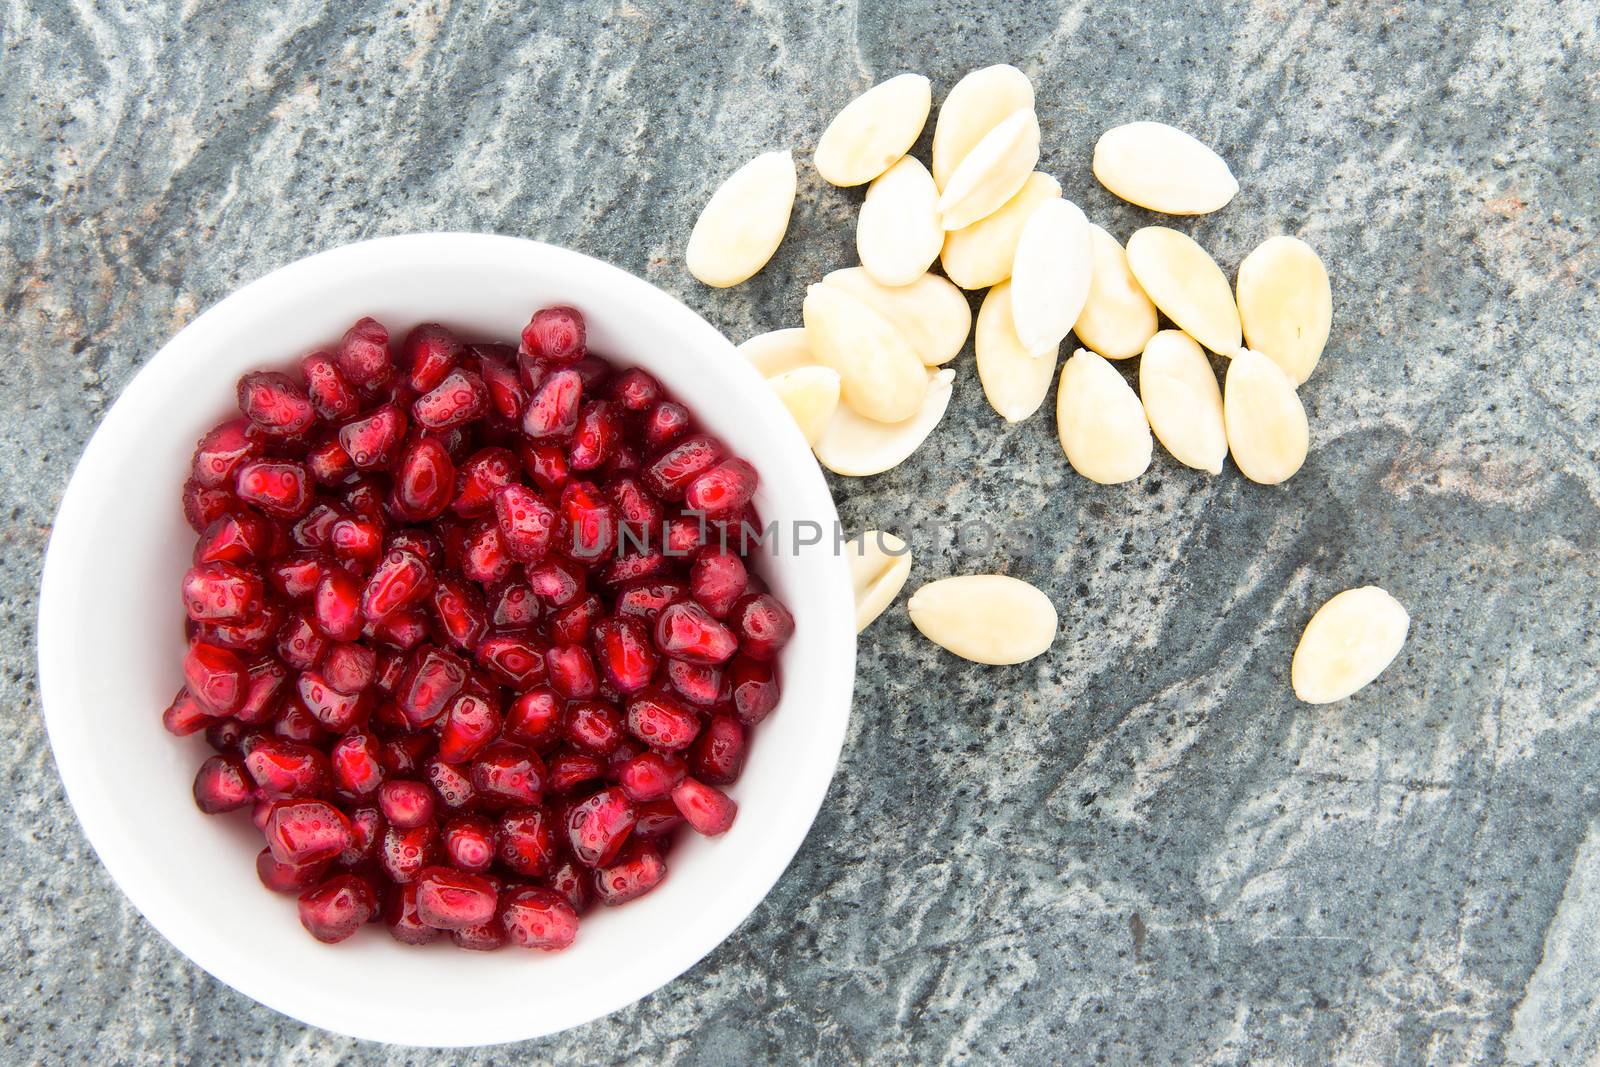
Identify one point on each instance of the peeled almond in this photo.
(987, 618)
(1014, 379)
(992, 172)
(1348, 643)
(1286, 304)
(981, 254)
(879, 372)
(1162, 168)
(744, 221)
(898, 235)
(1182, 401)
(1267, 430)
(1050, 277)
(777, 351)
(1100, 421)
(975, 105)
(811, 394)
(1117, 319)
(1184, 281)
(879, 565)
(858, 447)
(931, 312)
(874, 130)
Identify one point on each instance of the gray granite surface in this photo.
(1137, 849)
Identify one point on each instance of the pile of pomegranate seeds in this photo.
(471, 631)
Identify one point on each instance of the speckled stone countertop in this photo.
(1137, 849)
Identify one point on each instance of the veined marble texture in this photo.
(1136, 849)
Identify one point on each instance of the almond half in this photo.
(1348, 643)
(930, 312)
(898, 235)
(858, 447)
(874, 130)
(1182, 401)
(1050, 277)
(1184, 281)
(1117, 319)
(879, 372)
(1162, 168)
(879, 564)
(987, 618)
(975, 105)
(1100, 421)
(992, 172)
(1014, 379)
(744, 221)
(981, 255)
(1286, 304)
(777, 351)
(1267, 430)
(812, 396)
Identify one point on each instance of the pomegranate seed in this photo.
(430, 352)
(401, 578)
(288, 877)
(405, 853)
(484, 472)
(283, 768)
(275, 403)
(460, 398)
(556, 334)
(471, 723)
(357, 539)
(355, 765)
(705, 807)
(338, 711)
(234, 539)
(296, 575)
(646, 597)
(657, 818)
(514, 661)
(685, 630)
(300, 646)
(662, 721)
(424, 481)
(670, 472)
(698, 684)
(216, 678)
(596, 438)
(635, 390)
(366, 833)
(402, 756)
(316, 527)
(202, 506)
(221, 592)
(303, 831)
(598, 826)
(253, 634)
(650, 775)
(508, 774)
(404, 629)
(571, 671)
(226, 735)
(458, 609)
(763, 624)
(452, 900)
(635, 871)
(485, 938)
(716, 579)
(329, 463)
(571, 624)
(571, 769)
(512, 605)
(406, 804)
(588, 526)
(557, 581)
(185, 715)
(632, 566)
(664, 424)
(525, 842)
(331, 396)
(594, 371)
(486, 559)
(364, 497)
(592, 726)
(336, 605)
(469, 843)
(221, 451)
(723, 490)
(451, 783)
(373, 440)
(337, 908)
(429, 683)
(553, 411)
(754, 687)
(222, 784)
(526, 522)
(684, 536)
(506, 395)
(572, 882)
(295, 723)
(538, 918)
(546, 465)
(281, 488)
(350, 668)
(401, 919)
(717, 755)
(625, 653)
(363, 354)
(534, 718)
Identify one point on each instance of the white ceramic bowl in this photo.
(110, 648)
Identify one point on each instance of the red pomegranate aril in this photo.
(483, 938)
(460, 398)
(402, 756)
(512, 605)
(650, 775)
(405, 853)
(571, 671)
(315, 528)
(304, 831)
(222, 784)
(469, 843)
(349, 668)
(401, 919)
(334, 709)
(556, 334)
(506, 394)
(288, 877)
(596, 438)
(546, 466)
(374, 440)
(526, 522)
(572, 882)
(669, 473)
(508, 774)
(429, 353)
(329, 463)
(598, 826)
(281, 488)
(234, 539)
(538, 918)
(716, 579)
(569, 770)
(657, 819)
(635, 389)
(300, 645)
(216, 678)
(363, 354)
(485, 558)
(646, 597)
(594, 373)
(553, 410)
(424, 481)
(331, 395)
(252, 635)
(430, 682)
(357, 539)
(685, 535)
(400, 579)
(481, 475)
(571, 625)
(363, 496)
(685, 630)
(404, 629)
(706, 808)
(472, 722)
(356, 767)
(296, 575)
(632, 566)
(452, 785)
(219, 453)
(592, 726)
(459, 612)
(295, 723)
(534, 718)
(406, 804)
(284, 768)
(366, 834)
(754, 687)
(625, 653)
(525, 842)
(336, 605)
(514, 661)
(697, 683)
(663, 424)
(186, 715)
(203, 506)
(558, 582)
(588, 523)
(641, 513)
(275, 403)
(722, 491)
(226, 735)
(717, 756)
(662, 721)
(338, 907)
(763, 625)
(221, 592)
(635, 871)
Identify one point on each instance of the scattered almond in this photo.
(858, 447)
(987, 618)
(898, 235)
(1117, 319)
(1015, 381)
(777, 351)
(811, 394)
(975, 105)
(1348, 643)
(879, 564)
(744, 221)
(1050, 276)
(1162, 168)
(1184, 281)
(1100, 421)
(1286, 304)
(930, 312)
(874, 130)
(981, 255)
(1267, 430)
(992, 172)
(880, 375)
(1182, 401)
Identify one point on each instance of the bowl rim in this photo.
(802, 480)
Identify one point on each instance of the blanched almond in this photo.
(1182, 401)
(1184, 281)
(975, 105)
(992, 172)
(898, 235)
(1100, 421)
(1348, 643)
(1286, 304)
(987, 618)
(1015, 381)
(1117, 318)
(1267, 430)
(931, 312)
(981, 254)
(1162, 168)
(1050, 277)
(879, 372)
(777, 351)
(874, 130)
(744, 221)
(857, 447)
(811, 394)
(879, 565)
